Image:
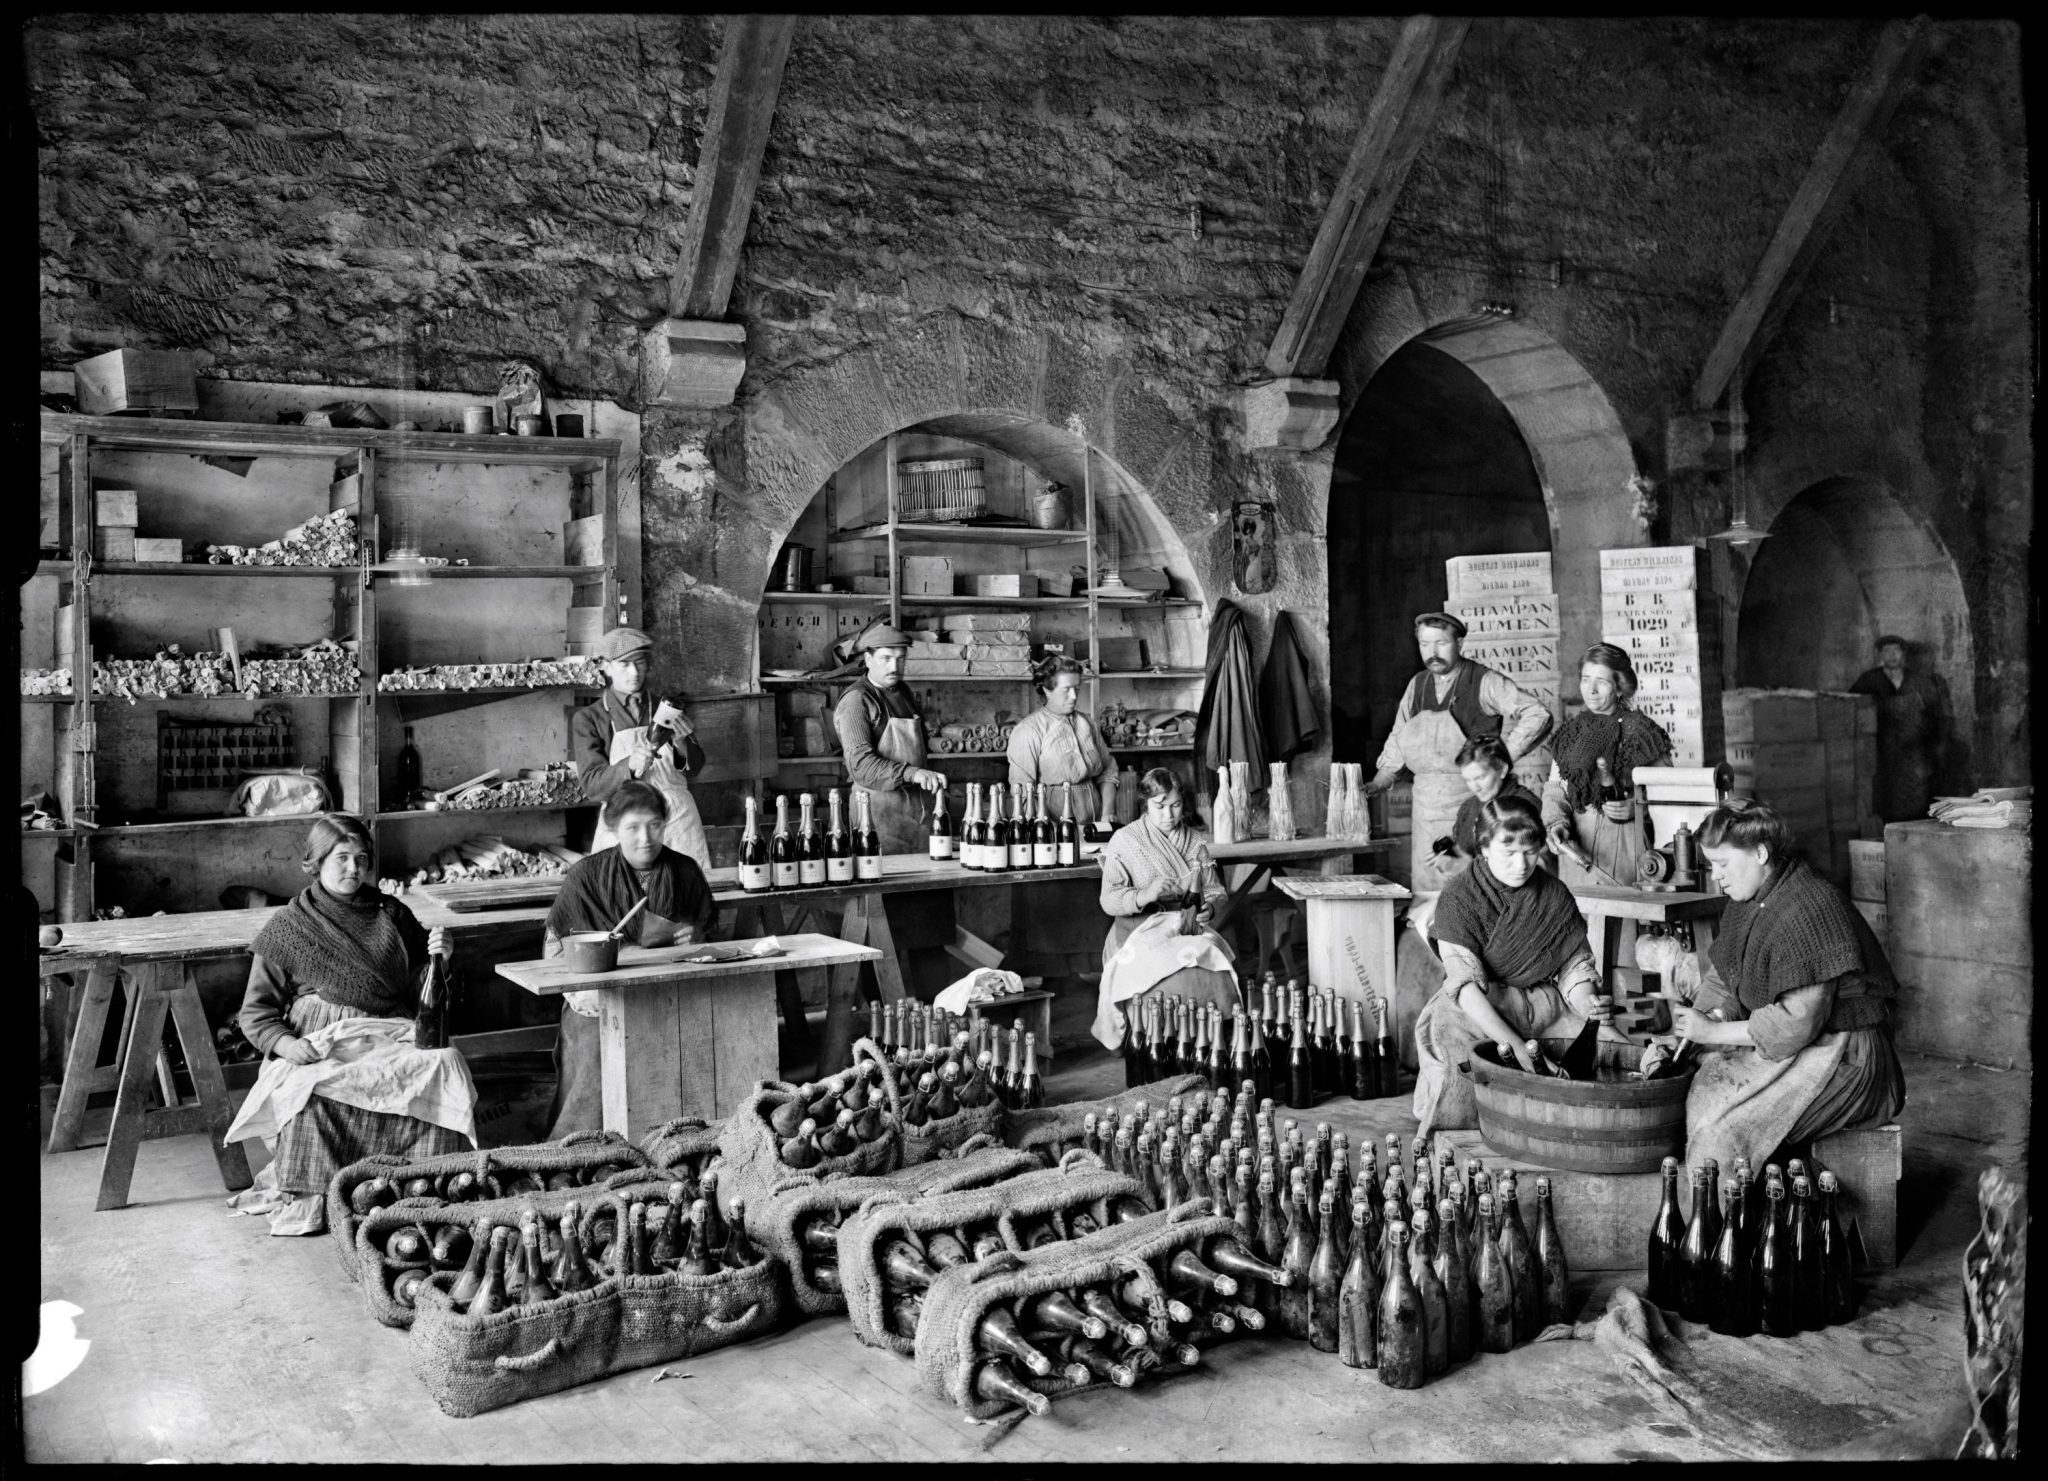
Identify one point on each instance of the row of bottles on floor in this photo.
(1299, 1046)
(946, 1063)
(1773, 1260)
(832, 1118)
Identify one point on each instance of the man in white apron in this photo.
(881, 734)
(622, 737)
(1452, 701)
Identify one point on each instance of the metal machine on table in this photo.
(1677, 799)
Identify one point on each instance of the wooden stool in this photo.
(1867, 1161)
(156, 991)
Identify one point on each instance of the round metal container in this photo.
(590, 951)
(1580, 1126)
(478, 421)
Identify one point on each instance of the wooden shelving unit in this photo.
(552, 524)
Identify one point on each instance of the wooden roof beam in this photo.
(736, 120)
(1830, 180)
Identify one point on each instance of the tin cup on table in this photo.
(477, 421)
(527, 424)
(569, 424)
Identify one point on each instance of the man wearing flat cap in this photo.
(1452, 701)
(881, 734)
(625, 736)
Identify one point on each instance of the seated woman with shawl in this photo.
(334, 980)
(1791, 1003)
(596, 894)
(1151, 870)
(1517, 964)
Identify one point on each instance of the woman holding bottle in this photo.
(1152, 873)
(1056, 743)
(1588, 805)
(623, 738)
(1517, 965)
(1793, 999)
(597, 892)
(334, 983)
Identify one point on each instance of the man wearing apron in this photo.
(881, 734)
(1452, 701)
(620, 739)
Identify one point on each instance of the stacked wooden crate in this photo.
(1813, 757)
(1655, 603)
(1866, 886)
(1508, 604)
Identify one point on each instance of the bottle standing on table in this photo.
(1300, 1074)
(1029, 1094)
(1045, 843)
(838, 846)
(867, 843)
(1020, 827)
(782, 857)
(1667, 1243)
(755, 877)
(1296, 1255)
(1731, 1307)
(1436, 1306)
(1069, 835)
(942, 843)
(1403, 1340)
(810, 847)
(995, 854)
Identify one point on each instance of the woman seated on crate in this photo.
(1517, 964)
(1056, 743)
(1153, 871)
(596, 894)
(1793, 999)
(334, 984)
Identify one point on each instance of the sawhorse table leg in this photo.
(81, 1060)
(767, 920)
(155, 1001)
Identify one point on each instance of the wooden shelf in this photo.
(49, 699)
(28, 833)
(196, 568)
(952, 534)
(487, 573)
(416, 813)
(230, 695)
(492, 692)
(181, 825)
(1178, 746)
(839, 598)
(1143, 602)
(931, 601)
(254, 439)
(1174, 674)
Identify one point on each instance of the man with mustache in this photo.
(1453, 700)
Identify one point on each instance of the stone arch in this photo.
(1851, 548)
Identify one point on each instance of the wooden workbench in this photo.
(1606, 907)
(1351, 936)
(679, 1038)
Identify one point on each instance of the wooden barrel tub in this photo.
(1622, 1126)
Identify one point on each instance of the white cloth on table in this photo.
(369, 1063)
(982, 985)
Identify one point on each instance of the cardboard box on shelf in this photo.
(114, 543)
(928, 575)
(1006, 584)
(1473, 576)
(138, 381)
(160, 552)
(985, 622)
(115, 507)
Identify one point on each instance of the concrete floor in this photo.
(210, 1341)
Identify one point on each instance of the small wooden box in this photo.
(928, 575)
(1118, 655)
(1035, 1008)
(114, 543)
(160, 551)
(115, 507)
(1009, 584)
(144, 382)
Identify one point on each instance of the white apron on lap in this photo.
(684, 831)
(1154, 951)
(369, 1063)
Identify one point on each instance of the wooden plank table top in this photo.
(664, 966)
(155, 938)
(1271, 850)
(1664, 907)
(1341, 887)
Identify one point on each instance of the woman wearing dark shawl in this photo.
(334, 979)
(1517, 964)
(1151, 870)
(596, 894)
(1793, 1001)
(1608, 729)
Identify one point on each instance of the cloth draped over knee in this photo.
(369, 1063)
(1145, 947)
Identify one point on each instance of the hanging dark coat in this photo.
(1287, 713)
(1227, 728)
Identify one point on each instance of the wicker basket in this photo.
(1620, 1127)
(940, 490)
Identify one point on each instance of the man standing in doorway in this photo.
(1453, 700)
(1912, 730)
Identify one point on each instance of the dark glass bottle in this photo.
(1667, 1242)
(1453, 1268)
(1272, 1222)
(1020, 826)
(1067, 838)
(1296, 1255)
(1731, 1307)
(1325, 1281)
(1358, 1300)
(1096, 1362)
(1260, 1038)
(667, 1247)
(1300, 1073)
(1809, 1266)
(1030, 1092)
(1838, 1273)
(998, 1335)
(782, 859)
(1521, 1257)
(1364, 1063)
(430, 1022)
(1403, 1338)
(1695, 1254)
(1436, 1306)
(1098, 1303)
(996, 851)
(810, 844)
(1496, 1287)
(1553, 1271)
(1347, 1047)
(1045, 833)
(490, 1293)
(997, 1383)
(1389, 1067)
(411, 776)
(838, 842)
(472, 1278)
(1777, 1315)
(867, 842)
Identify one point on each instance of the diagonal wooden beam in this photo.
(1396, 123)
(1830, 180)
(736, 120)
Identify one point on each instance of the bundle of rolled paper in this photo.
(1989, 807)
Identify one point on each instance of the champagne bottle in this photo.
(1809, 1268)
(974, 850)
(1667, 1242)
(1745, 1178)
(1553, 1272)
(1403, 1338)
(1389, 1067)
(998, 1335)
(1030, 1094)
(1358, 1300)
(1300, 1075)
(1045, 840)
(430, 1022)
(667, 1246)
(1325, 1282)
(1496, 1325)
(1260, 1033)
(1695, 1253)
(838, 844)
(1436, 1306)
(1545, 1065)
(1778, 1316)
(867, 843)
(1055, 1311)
(1241, 1067)
(1333, 1078)
(903, 1268)
(490, 1293)
(1347, 1048)
(538, 1287)
(1731, 1309)
(810, 845)
(943, 843)
(1296, 1255)
(1521, 1258)
(1364, 1063)
(1068, 838)
(997, 1383)
(1581, 1060)
(451, 1246)
(1098, 1303)
(1098, 1363)
(1020, 826)
(1214, 1063)
(472, 1278)
(712, 1217)
(755, 878)
(1453, 1271)
(1137, 1048)
(997, 856)
(782, 859)
(696, 1258)
(739, 1250)
(1837, 1269)
(572, 1272)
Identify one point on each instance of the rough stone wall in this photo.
(1055, 216)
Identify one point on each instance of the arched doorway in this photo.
(1430, 466)
(1845, 564)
